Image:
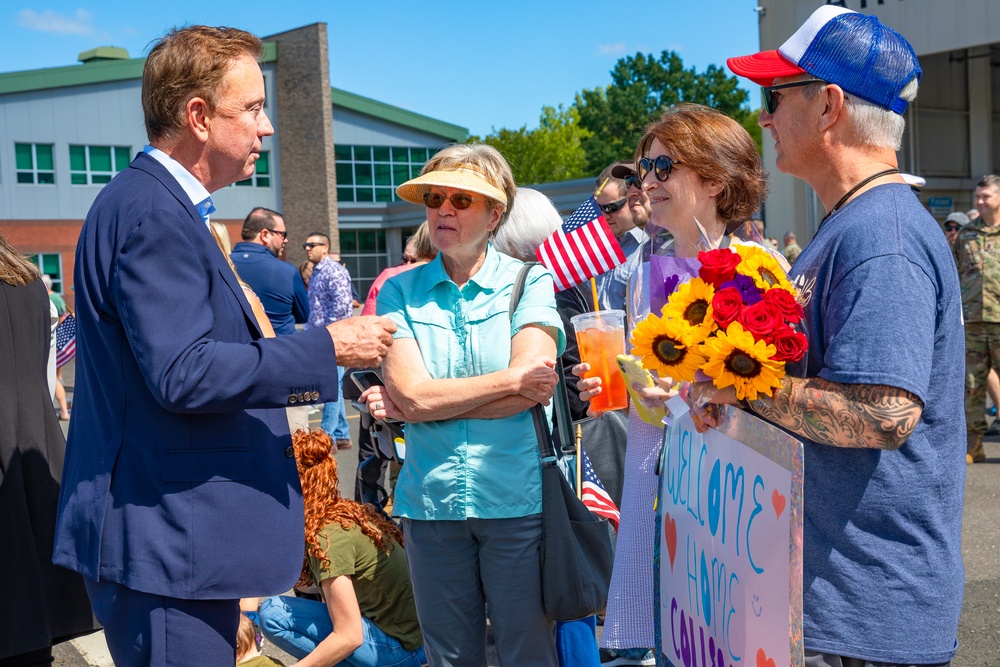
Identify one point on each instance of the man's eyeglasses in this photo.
(310, 246)
(613, 207)
(283, 235)
(771, 102)
(660, 166)
(459, 200)
(633, 181)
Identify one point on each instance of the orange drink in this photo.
(601, 338)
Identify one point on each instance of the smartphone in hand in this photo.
(366, 379)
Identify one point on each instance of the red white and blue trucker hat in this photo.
(853, 50)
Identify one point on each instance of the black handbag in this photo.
(576, 552)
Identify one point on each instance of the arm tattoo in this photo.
(843, 415)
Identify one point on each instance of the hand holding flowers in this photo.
(734, 323)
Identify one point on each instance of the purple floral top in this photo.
(330, 295)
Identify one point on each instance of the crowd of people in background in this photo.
(199, 364)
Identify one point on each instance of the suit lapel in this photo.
(200, 231)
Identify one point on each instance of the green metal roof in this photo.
(105, 64)
(371, 107)
(95, 71)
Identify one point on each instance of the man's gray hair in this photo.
(875, 126)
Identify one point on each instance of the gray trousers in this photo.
(460, 567)
(814, 659)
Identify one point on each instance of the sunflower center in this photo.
(668, 350)
(768, 277)
(742, 364)
(696, 311)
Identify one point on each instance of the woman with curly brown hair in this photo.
(355, 557)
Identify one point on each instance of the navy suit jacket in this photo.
(179, 478)
(278, 285)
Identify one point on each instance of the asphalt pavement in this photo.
(978, 630)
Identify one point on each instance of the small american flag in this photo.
(582, 248)
(594, 495)
(65, 340)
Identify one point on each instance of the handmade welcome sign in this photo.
(728, 555)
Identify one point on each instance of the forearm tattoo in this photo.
(843, 415)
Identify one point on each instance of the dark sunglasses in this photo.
(614, 206)
(283, 235)
(633, 181)
(771, 102)
(660, 166)
(952, 228)
(310, 246)
(459, 200)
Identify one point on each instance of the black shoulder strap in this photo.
(560, 402)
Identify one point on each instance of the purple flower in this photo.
(749, 293)
(670, 284)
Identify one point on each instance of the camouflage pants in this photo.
(982, 352)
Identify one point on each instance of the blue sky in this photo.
(476, 64)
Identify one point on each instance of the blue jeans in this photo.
(297, 626)
(334, 417)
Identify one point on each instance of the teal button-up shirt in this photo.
(462, 468)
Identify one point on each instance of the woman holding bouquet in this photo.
(702, 173)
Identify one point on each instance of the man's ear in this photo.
(834, 100)
(196, 112)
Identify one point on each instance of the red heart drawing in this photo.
(670, 529)
(778, 501)
(762, 659)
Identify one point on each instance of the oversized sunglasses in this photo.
(771, 102)
(952, 228)
(613, 207)
(660, 166)
(459, 200)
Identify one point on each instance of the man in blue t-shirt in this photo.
(276, 283)
(880, 408)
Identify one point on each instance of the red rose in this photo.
(785, 303)
(789, 344)
(761, 319)
(718, 266)
(726, 306)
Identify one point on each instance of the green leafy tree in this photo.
(551, 152)
(641, 88)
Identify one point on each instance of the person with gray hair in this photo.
(880, 406)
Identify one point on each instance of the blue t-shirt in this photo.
(469, 468)
(883, 575)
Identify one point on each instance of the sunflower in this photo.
(664, 345)
(692, 303)
(760, 265)
(734, 358)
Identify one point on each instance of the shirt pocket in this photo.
(489, 335)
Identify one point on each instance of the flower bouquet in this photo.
(734, 323)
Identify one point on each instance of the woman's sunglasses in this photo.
(660, 166)
(459, 200)
(951, 228)
(771, 101)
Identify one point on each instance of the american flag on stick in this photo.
(594, 495)
(65, 340)
(582, 248)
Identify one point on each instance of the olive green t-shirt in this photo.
(381, 580)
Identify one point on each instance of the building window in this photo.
(371, 173)
(50, 263)
(363, 252)
(96, 165)
(34, 163)
(262, 172)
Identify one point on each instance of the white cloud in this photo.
(61, 24)
(610, 49)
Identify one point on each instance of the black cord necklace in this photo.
(843, 200)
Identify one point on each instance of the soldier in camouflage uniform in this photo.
(977, 254)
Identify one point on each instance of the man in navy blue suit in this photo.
(178, 439)
(278, 284)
